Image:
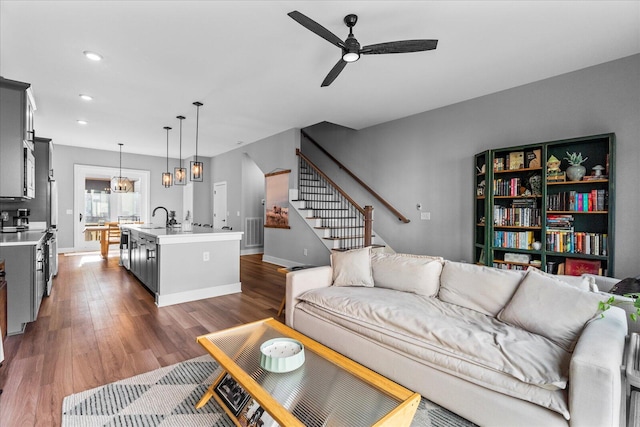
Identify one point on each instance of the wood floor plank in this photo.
(100, 325)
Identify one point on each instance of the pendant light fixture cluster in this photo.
(121, 184)
(179, 176)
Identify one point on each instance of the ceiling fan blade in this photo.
(337, 69)
(312, 25)
(404, 46)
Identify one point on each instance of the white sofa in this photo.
(497, 347)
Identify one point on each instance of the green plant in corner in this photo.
(575, 159)
(606, 305)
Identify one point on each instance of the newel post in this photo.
(368, 225)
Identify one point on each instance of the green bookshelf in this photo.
(570, 221)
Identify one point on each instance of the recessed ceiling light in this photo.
(82, 122)
(86, 97)
(92, 55)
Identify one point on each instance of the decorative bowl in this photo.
(281, 355)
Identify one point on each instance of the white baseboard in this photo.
(252, 251)
(197, 294)
(279, 261)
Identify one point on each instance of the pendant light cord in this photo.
(197, 127)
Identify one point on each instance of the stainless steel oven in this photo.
(50, 260)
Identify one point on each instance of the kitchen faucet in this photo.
(166, 223)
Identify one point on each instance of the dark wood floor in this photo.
(100, 325)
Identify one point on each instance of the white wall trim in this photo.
(279, 261)
(252, 251)
(197, 294)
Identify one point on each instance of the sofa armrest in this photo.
(602, 282)
(595, 378)
(301, 281)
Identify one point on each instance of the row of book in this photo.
(503, 266)
(556, 222)
(513, 239)
(595, 200)
(507, 187)
(519, 217)
(518, 160)
(577, 242)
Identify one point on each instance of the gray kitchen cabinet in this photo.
(17, 160)
(25, 284)
(143, 259)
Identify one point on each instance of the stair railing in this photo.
(358, 180)
(347, 221)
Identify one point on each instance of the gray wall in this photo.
(428, 158)
(281, 246)
(64, 159)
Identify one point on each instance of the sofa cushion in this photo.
(586, 283)
(547, 306)
(450, 338)
(480, 288)
(408, 273)
(352, 268)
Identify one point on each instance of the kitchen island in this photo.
(179, 266)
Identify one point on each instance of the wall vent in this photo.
(253, 232)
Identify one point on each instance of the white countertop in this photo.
(21, 238)
(177, 235)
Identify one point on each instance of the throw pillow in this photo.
(419, 274)
(547, 306)
(480, 288)
(352, 268)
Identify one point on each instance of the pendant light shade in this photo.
(121, 184)
(180, 173)
(197, 170)
(167, 178)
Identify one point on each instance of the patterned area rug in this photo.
(167, 396)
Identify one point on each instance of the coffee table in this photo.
(328, 389)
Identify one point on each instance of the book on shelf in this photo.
(516, 160)
(513, 239)
(578, 267)
(516, 217)
(578, 242)
(592, 201)
(532, 158)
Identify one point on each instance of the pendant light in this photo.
(167, 178)
(197, 170)
(180, 173)
(121, 184)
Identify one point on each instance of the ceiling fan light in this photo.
(350, 56)
(92, 55)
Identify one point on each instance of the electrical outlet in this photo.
(205, 256)
(304, 251)
(425, 216)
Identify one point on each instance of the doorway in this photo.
(220, 204)
(95, 203)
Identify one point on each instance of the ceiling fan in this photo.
(351, 49)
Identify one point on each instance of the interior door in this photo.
(94, 203)
(219, 204)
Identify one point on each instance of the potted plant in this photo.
(576, 171)
(606, 305)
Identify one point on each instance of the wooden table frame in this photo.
(402, 415)
(104, 240)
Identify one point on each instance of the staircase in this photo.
(335, 218)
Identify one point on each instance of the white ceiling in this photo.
(258, 72)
